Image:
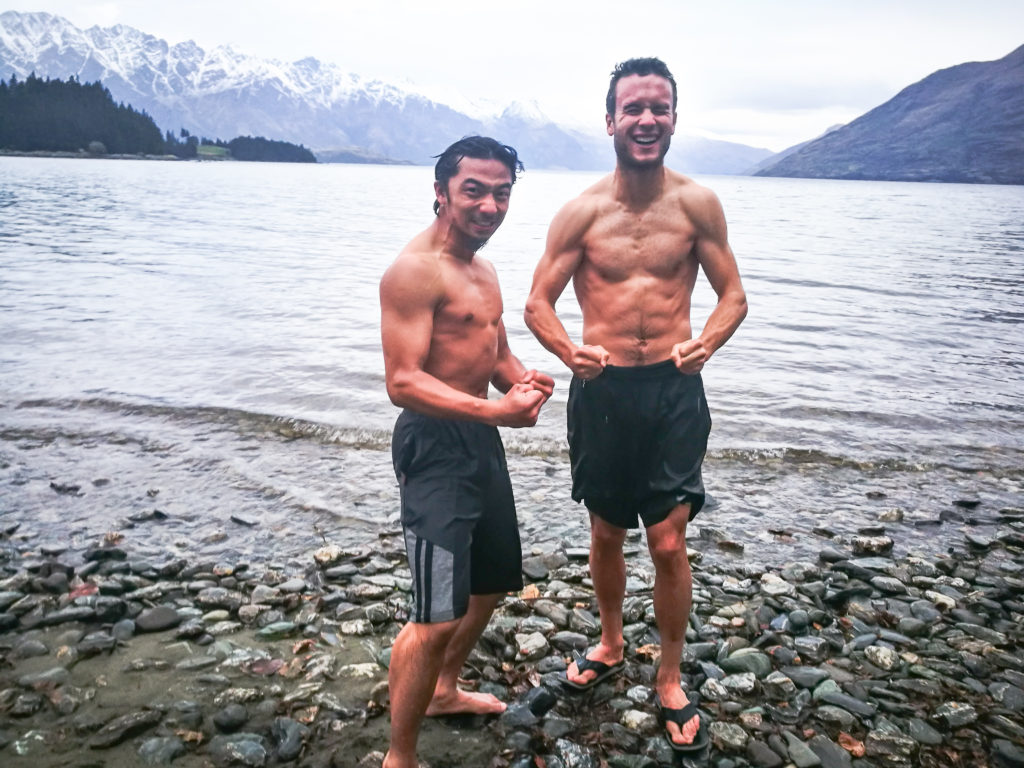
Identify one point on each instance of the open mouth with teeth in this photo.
(645, 140)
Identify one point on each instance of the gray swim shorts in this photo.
(458, 513)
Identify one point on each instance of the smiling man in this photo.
(444, 344)
(638, 421)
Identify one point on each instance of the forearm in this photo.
(426, 394)
(724, 320)
(507, 372)
(542, 321)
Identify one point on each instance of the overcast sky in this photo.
(764, 73)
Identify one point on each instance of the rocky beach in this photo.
(115, 655)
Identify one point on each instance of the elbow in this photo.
(530, 313)
(398, 391)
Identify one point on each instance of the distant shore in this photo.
(83, 155)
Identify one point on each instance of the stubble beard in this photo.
(626, 160)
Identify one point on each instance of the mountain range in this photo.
(961, 124)
(340, 115)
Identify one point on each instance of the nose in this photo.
(647, 117)
(488, 204)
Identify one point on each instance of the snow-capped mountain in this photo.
(221, 93)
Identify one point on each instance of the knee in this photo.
(668, 553)
(606, 537)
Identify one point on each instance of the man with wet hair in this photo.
(444, 343)
(638, 420)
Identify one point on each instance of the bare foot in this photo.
(465, 703)
(601, 653)
(675, 698)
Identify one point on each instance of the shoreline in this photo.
(858, 659)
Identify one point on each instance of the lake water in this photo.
(203, 339)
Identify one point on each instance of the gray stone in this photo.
(748, 660)
(161, 750)
(53, 677)
(889, 746)
(830, 753)
(813, 650)
(123, 728)
(1006, 754)
(762, 755)
(289, 736)
(157, 619)
(728, 737)
(883, 658)
(801, 754)
(231, 718)
(923, 733)
(956, 714)
(241, 748)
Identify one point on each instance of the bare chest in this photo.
(624, 246)
(472, 303)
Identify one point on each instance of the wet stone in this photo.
(157, 619)
(760, 754)
(161, 750)
(728, 737)
(813, 650)
(956, 714)
(830, 753)
(239, 749)
(123, 728)
(800, 754)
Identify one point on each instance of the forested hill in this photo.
(962, 124)
(39, 115)
(53, 115)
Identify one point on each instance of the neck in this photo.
(450, 240)
(639, 185)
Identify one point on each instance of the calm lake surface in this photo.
(203, 339)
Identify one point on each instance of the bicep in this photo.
(406, 323)
(712, 248)
(562, 256)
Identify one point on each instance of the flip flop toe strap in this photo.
(584, 664)
(681, 716)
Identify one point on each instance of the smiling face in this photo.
(475, 199)
(644, 120)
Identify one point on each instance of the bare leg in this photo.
(448, 698)
(608, 572)
(673, 595)
(415, 661)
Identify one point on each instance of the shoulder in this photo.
(576, 216)
(698, 202)
(414, 276)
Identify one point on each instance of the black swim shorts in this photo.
(637, 438)
(458, 513)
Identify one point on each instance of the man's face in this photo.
(644, 120)
(476, 199)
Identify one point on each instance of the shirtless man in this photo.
(638, 421)
(444, 343)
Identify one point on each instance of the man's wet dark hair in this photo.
(645, 66)
(479, 148)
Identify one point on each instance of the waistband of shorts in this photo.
(664, 369)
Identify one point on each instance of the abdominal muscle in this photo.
(638, 320)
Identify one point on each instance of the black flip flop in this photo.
(603, 671)
(680, 717)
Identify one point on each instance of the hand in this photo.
(690, 356)
(539, 381)
(588, 361)
(520, 406)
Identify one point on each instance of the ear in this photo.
(609, 124)
(440, 194)
(675, 116)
